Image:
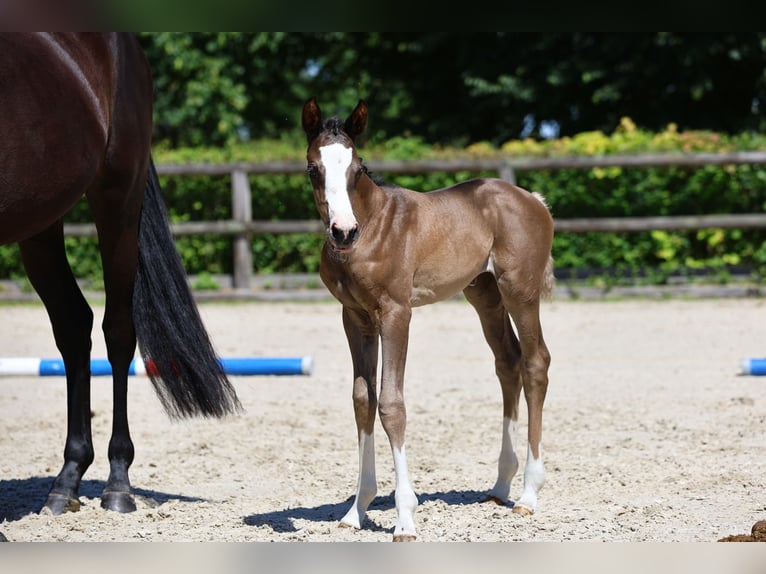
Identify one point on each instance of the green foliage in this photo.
(10, 262)
(610, 192)
(205, 282)
(237, 97)
(199, 86)
(623, 192)
(214, 88)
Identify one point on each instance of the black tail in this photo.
(189, 379)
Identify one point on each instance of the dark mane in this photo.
(379, 180)
(375, 178)
(334, 126)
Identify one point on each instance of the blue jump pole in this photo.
(239, 366)
(754, 366)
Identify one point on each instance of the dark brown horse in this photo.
(76, 119)
(390, 249)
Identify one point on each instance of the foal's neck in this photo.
(369, 198)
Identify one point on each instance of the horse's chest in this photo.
(352, 284)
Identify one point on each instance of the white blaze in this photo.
(336, 159)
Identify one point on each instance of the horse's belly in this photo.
(449, 265)
(430, 287)
(425, 296)
(31, 206)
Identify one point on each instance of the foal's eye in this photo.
(312, 169)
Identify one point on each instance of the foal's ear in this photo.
(357, 121)
(312, 119)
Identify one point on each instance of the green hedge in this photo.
(611, 192)
(620, 192)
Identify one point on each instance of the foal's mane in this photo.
(335, 126)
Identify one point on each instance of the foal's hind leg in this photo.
(46, 265)
(525, 311)
(117, 222)
(485, 298)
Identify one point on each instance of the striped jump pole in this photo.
(754, 366)
(239, 366)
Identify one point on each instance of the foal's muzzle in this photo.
(342, 239)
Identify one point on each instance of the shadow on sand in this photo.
(21, 497)
(283, 520)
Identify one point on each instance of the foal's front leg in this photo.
(395, 325)
(362, 338)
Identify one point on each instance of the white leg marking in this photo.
(336, 159)
(366, 487)
(534, 478)
(406, 501)
(508, 463)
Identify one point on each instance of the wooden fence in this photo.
(242, 226)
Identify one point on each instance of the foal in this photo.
(390, 249)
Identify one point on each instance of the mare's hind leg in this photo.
(46, 265)
(117, 222)
(485, 298)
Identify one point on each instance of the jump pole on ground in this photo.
(754, 366)
(239, 366)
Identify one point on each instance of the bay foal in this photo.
(390, 249)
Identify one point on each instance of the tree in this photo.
(452, 88)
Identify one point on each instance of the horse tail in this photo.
(181, 362)
(549, 279)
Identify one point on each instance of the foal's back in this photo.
(474, 226)
(486, 203)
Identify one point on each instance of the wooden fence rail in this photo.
(242, 226)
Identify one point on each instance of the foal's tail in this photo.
(549, 280)
(186, 373)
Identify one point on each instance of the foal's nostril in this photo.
(343, 236)
(337, 233)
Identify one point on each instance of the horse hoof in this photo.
(118, 502)
(496, 500)
(522, 510)
(58, 504)
(405, 538)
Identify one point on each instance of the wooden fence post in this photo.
(507, 173)
(242, 212)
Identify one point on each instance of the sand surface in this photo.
(649, 432)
